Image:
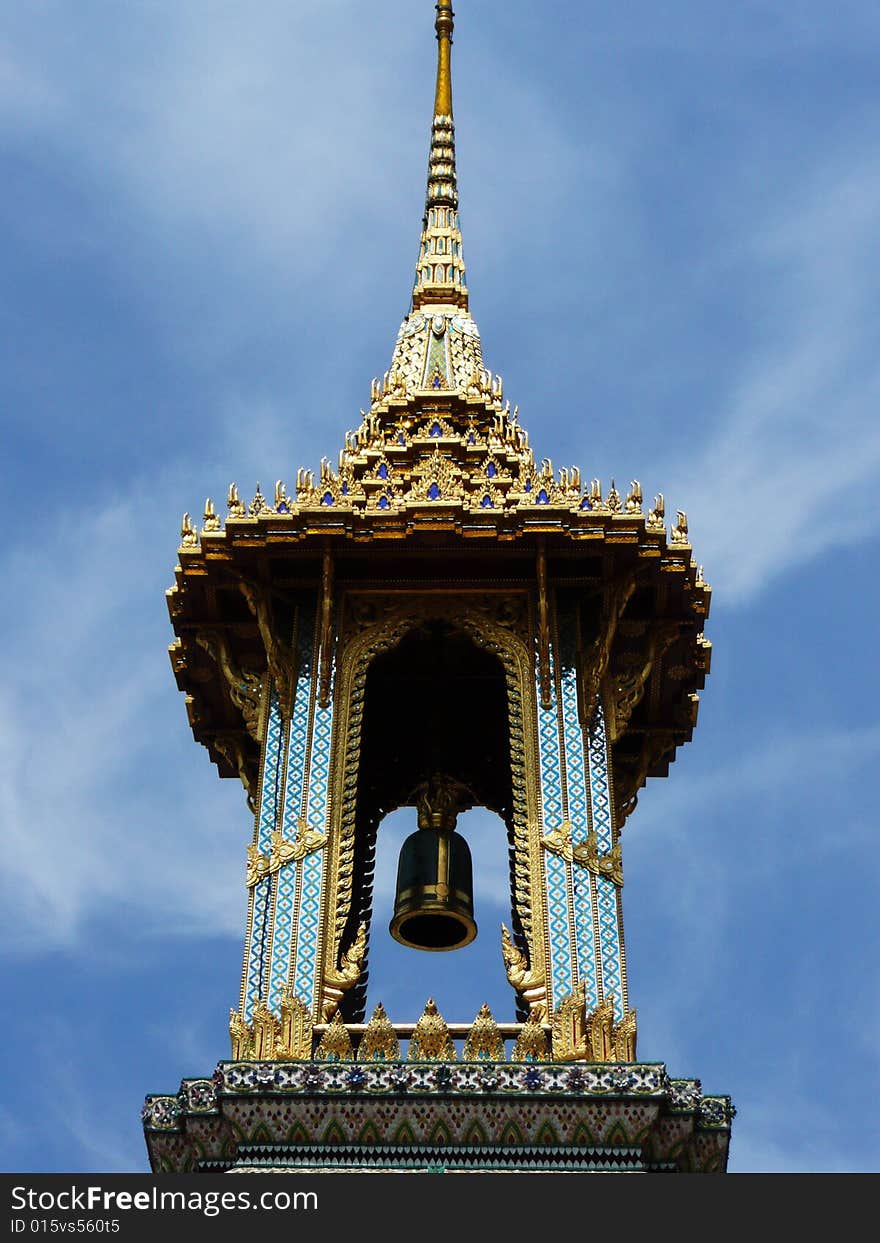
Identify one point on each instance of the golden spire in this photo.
(440, 276)
(444, 27)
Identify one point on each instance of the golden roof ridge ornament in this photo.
(440, 272)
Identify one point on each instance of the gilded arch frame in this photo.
(499, 623)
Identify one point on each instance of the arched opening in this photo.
(462, 980)
(435, 703)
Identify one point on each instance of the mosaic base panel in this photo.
(403, 1115)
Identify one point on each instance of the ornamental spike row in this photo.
(562, 487)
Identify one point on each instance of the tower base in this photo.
(438, 1117)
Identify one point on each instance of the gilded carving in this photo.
(624, 1038)
(543, 631)
(439, 801)
(379, 1042)
(599, 1031)
(335, 1045)
(234, 504)
(265, 1027)
(283, 850)
(559, 842)
(629, 682)
(258, 866)
(594, 660)
(232, 748)
(367, 612)
(484, 1041)
(531, 1043)
(306, 842)
(528, 891)
(530, 984)
(633, 503)
(339, 980)
(326, 631)
(245, 687)
(358, 648)
(656, 520)
(279, 655)
(594, 497)
(569, 1028)
(430, 1041)
(293, 1042)
(679, 533)
(282, 500)
(242, 1037)
(189, 536)
(629, 780)
(211, 520)
(592, 1037)
(435, 478)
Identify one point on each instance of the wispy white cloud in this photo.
(96, 811)
(720, 867)
(794, 467)
(783, 764)
(105, 804)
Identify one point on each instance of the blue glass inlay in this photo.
(434, 492)
(487, 502)
(327, 499)
(345, 489)
(585, 503)
(383, 502)
(542, 498)
(472, 440)
(383, 471)
(282, 508)
(491, 470)
(528, 486)
(436, 429)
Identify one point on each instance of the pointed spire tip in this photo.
(444, 26)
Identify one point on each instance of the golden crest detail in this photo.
(379, 1042)
(335, 1045)
(484, 1041)
(430, 1041)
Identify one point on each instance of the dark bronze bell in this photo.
(434, 901)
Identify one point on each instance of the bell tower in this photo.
(438, 621)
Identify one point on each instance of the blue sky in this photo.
(208, 228)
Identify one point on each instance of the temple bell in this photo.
(434, 898)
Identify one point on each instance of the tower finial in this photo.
(440, 278)
(444, 27)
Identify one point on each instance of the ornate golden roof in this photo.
(440, 461)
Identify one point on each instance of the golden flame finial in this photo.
(440, 275)
(444, 27)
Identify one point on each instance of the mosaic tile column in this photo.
(585, 934)
(258, 933)
(606, 899)
(283, 919)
